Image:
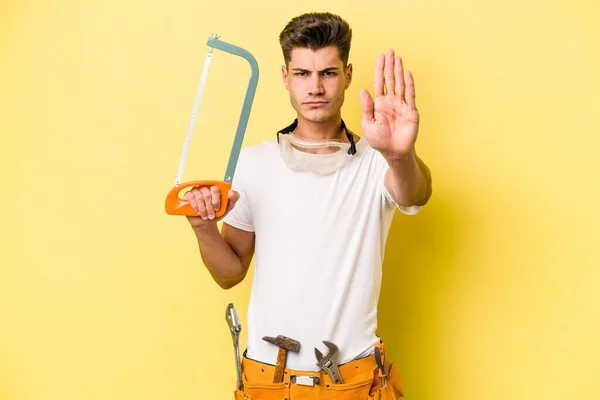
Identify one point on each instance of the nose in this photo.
(315, 86)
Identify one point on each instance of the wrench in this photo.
(235, 328)
(329, 363)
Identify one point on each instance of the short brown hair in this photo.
(315, 31)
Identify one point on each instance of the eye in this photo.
(300, 73)
(330, 73)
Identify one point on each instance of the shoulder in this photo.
(257, 156)
(257, 151)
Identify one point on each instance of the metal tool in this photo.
(175, 205)
(379, 361)
(235, 328)
(285, 344)
(329, 362)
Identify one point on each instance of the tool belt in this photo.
(362, 381)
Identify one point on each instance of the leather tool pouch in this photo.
(393, 388)
(361, 382)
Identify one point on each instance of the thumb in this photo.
(233, 198)
(367, 106)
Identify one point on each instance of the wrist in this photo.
(205, 228)
(400, 160)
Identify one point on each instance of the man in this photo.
(314, 207)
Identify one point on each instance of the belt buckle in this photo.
(305, 380)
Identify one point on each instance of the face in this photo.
(316, 81)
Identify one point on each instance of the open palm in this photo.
(390, 122)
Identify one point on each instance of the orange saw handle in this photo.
(175, 205)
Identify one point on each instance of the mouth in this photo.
(315, 103)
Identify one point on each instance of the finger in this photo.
(399, 71)
(205, 203)
(367, 106)
(199, 202)
(189, 196)
(233, 198)
(378, 79)
(389, 72)
(410, 90)
(216, 197)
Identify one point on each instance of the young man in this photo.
(314, 207)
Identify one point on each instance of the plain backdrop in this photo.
(490, 293)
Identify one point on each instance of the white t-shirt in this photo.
(320, 242)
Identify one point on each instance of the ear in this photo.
(348, 75)
(284, 75)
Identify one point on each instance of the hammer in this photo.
(285, 344)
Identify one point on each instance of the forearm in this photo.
(408, 180)
(219, 258)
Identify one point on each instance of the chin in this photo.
(316, 116)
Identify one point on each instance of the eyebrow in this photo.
(306, 70)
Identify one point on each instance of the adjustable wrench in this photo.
(235, 328)
(329, 362)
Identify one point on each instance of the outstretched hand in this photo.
(390, 122)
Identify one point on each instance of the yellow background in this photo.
(491, 292)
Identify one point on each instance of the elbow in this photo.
(424, 191)
(227, 284)
(425, 198)
(428, 192)
(232, 276)
(419, 199)
(425, 186)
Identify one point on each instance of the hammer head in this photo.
(284, 342)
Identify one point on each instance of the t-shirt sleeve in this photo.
(382, 168)
(240, 216)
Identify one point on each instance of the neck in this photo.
(330, 129)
